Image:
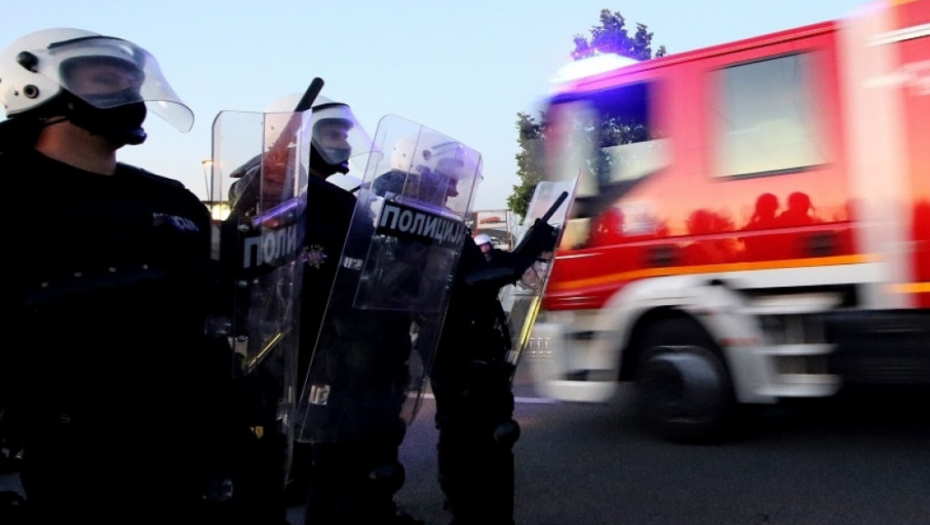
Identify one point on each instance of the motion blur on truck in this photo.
(760, 232)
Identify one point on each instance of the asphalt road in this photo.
(858, 460)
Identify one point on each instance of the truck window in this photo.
(764, 118)
(609, 138)
(619, 131)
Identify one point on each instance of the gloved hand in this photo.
(540, 238)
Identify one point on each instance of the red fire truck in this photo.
(752, 223)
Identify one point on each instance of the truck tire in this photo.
(684, 392)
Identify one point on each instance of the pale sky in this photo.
(464, 69)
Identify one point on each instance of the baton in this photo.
(316, 85)
(309, 96)
(545, 218)
(280, 148)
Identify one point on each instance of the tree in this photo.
(528, 162)
(611, 36)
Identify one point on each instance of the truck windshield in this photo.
(608, 138)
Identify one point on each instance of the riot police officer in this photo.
(381, 324)
(275, 472)
(107, 362)
(354, 389)
(352, 475)
(471, 381)
(336, 138)
(485, 244)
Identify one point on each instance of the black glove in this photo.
(540, 238)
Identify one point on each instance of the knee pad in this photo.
(507, 433)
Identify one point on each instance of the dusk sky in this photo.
(465, 69)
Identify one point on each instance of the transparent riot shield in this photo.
(382, 323)
(562, 171)
(551, 203)
(259, 183)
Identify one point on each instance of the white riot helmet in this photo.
(426, 152)
(432, 168)
(38, 67)
(336, 137)
(430, 165)
(482, 239)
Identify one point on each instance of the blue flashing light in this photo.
(593, 65)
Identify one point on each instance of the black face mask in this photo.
(121, 124)
(336, 153)
(318, 163)
(19, 134)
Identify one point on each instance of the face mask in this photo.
(322, 166)
(19, 134)
(336, 155)
(120, 124)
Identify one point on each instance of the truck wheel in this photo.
(684, 392)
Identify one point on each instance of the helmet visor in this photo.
(108, 72)
(430, 167)
(337, 135)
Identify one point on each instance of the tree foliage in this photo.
(528, 162)
(610, 36)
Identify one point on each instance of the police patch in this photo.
(315, 256)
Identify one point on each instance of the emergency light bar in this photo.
(593, 65)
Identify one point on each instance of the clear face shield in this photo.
(436, 171)
(108, 72)
(338, 137)
(463, 175)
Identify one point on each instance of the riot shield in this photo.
(562, 171)
(382, 322)
(551, 202)
(259, 172)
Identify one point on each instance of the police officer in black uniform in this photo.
(471, 381)
(335, 138)
(343, 480)
(486, 245)
(109, 374)
(354, 435)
